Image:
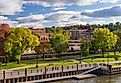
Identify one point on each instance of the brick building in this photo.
(78, 36)
(42, 34)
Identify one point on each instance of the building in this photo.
(42, 34)
(78, 36)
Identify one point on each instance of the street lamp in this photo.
(37, 60)
(108, 58)
(81, 56)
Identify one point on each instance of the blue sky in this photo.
(44, 13)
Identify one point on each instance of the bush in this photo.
(85, 52)
(116, 57)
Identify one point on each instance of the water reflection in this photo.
(99, 79)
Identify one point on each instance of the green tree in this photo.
(85, 45)
(118, 33)
(104, 39)
(19, 40)
(43, 48)
(59, 40)
(85, 49)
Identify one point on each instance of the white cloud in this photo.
(110, 1)
(62, 16)
(2, 18)
(29, 25)
(59, 8)
(7, 21)
(58, 18)
(10, 7)
(31, 21)
(59, 3)
(105, 12)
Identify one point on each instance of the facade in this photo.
(78, 36)
(42, 34)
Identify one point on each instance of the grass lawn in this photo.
(105, 59)
(97, 60)
(32, 64)
(54, 61)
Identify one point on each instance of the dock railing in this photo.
(8, 74)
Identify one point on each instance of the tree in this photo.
(85, 49)
(4, 32)
(85, 45)
(59, 40)
(118, 33)
(43, 48)
(104, 39)
(19, 40)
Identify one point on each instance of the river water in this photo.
(99, 79)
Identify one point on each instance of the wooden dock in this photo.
(80, 76)
(49, 73)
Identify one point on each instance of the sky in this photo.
(47, 13)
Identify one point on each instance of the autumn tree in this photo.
(43, 48)
(104, 39)
(4, 32)
(19, 40)
(59, 40)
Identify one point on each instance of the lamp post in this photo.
(37, 60)
(108, 59)
(80, 55)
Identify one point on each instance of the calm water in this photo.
(100, 79)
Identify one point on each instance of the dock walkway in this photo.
(80, 76)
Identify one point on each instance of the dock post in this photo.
(77, 68)
(45, 76)
(25, 74)
(17, 80)
(8, 81)
(4, 79)
(62, 70)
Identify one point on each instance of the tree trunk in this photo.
(114, 51)
(43, 56)
(103, 53)
(37, 61)
(58, 57)
(6, 59)
(18, 61)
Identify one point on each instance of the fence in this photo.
(9, 74)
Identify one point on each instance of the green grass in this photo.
(12, 65)
(32, 64)
(54, 61)
(97, 60)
